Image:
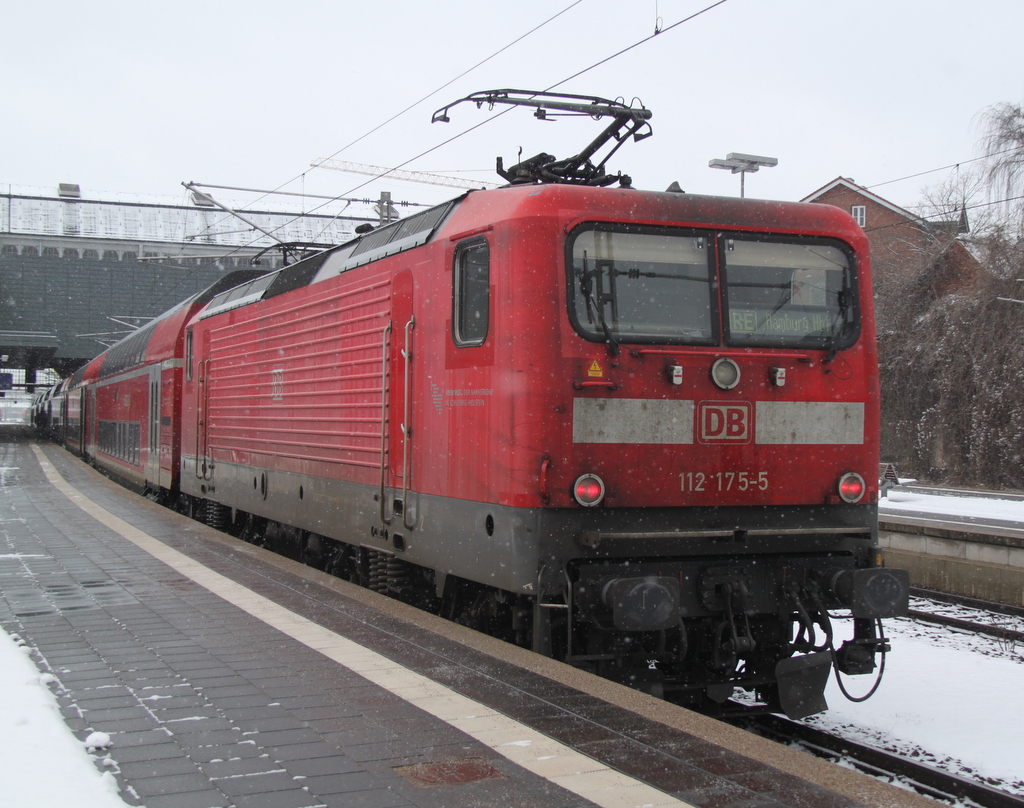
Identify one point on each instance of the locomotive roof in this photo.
(510, 201)
(391, 239)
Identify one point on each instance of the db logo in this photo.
(724, 422)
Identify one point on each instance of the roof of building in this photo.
(958, 225)
(843, 182)
(61, 213)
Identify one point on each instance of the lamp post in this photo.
(743, 164)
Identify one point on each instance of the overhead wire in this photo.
(331, 200)
(933, 171)
(637, 44)
(497, 115)
(553, 86)
(943, 168)
(658, 31)
(957, 210)
(452, 81)
(397, 115)
(431, 94)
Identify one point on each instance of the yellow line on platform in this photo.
(520, 744)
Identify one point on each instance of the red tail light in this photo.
(851, 487)
(588, 490)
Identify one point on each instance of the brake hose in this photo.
(878, 678)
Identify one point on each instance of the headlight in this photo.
(725, 373)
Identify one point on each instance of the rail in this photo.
(1003, 633)
(928, 780)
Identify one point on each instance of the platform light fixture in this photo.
(743, 164)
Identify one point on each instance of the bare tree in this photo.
(952, 365)
(956, 200)
(1004, 147)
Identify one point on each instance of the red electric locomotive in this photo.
(636, 431)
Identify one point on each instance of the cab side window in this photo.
(471, 293)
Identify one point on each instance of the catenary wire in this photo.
(637, 44)
(548, 89)
(375, 129)
(407, 109)
(937, 215)
(943, 168)
(431, 94)
(505, 111)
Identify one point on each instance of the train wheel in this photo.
(489, 611)
(253, 530)
(316, 551)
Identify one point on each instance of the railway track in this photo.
(928, 780)
(986, 617)
(1004, 623)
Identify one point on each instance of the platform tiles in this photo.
(227, 676)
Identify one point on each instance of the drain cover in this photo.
(449, 772)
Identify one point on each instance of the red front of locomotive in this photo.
(708, 353)
(689, 352)
(674, 418)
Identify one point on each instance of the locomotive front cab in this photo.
(723, 435)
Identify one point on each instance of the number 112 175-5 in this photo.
(698, 481)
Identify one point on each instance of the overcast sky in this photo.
(136, 97)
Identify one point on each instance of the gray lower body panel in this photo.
(515, 549)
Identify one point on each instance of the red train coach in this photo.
(73, 401)
(121, 410)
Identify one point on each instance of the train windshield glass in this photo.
(787, 294)
(641, 285)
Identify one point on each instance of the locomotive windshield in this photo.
(641, 285)
(786, 294)
(658, 285)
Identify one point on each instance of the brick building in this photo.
(904, 246)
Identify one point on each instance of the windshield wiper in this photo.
(587, 290)
(843, 304)
(613, 345)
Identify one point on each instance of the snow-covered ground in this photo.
(902, 500)
(947, 697)
(43, 763)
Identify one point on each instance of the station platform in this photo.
(229, 676)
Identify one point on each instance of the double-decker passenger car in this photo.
(121, 410)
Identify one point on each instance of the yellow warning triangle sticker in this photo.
(595, 369)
